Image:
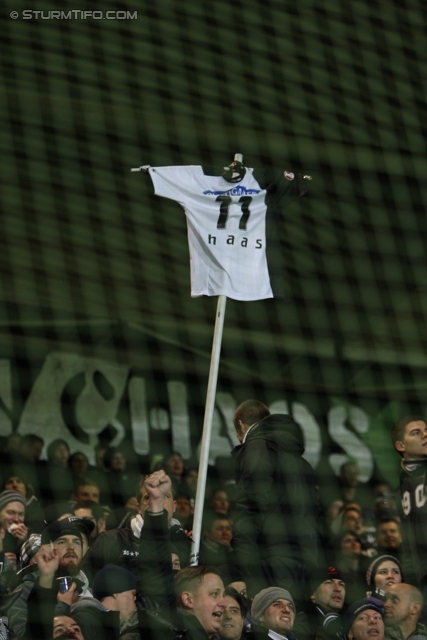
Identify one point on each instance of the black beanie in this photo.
(112, 579)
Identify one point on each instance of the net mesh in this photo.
(93, 263)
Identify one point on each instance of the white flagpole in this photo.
(207, 430)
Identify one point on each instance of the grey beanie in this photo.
(9, 495)
(266, 597)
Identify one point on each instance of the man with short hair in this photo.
(91, 510)
(233, 617)
(198, 591)
(87, 489)
(276, 515)
(215, 548)
(273, 610)
(66, 627)
(31, 447)
(364, 620)
(389, 538)
(402, 610)
(409, 438)
(121, 546)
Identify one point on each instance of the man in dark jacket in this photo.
(321, 616)
(276, 516)
(409, 437)
(121, 546)
(197, 592)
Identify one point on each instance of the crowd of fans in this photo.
(83, 552)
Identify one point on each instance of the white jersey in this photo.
(228, 226)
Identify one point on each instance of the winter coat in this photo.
(276, 513)
(313, 623)
(393, 632)
(121, 547)
(32, 606)
(412, 507)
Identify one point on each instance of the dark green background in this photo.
(91, 260)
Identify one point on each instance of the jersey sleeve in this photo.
(172, 182)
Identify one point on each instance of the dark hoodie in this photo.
(276, 515)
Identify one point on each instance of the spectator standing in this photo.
(409, 437)
(276, 526)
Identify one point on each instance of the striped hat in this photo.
(9, 495)
(29, 549)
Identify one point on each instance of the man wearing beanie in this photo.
(112, 611)
(321, 616)
(115, 588)
(273, 610)
(12, 516)
(364, 620)
(34, 601)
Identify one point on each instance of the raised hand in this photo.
(47, 562)
(157, 485)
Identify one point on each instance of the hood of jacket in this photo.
(280, 430)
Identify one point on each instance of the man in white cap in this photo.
(274, 611)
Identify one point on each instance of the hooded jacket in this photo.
(276, 514)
